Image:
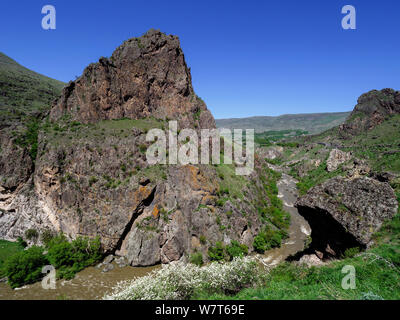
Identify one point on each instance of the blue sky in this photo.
(247, 57)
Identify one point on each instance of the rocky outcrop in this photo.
(336, 158)
(371, 110)
(145, 76)
(91, 177)
(344, 213)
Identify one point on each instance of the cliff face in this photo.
(371, 110)
(145, 76)
(91, 176)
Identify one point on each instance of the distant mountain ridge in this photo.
(311, 122)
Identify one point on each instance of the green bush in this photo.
(71, 257)
(267, 239)
(236, 249)
(196, 258)
(351, 252)
(46, 236)
(217, 253)
(22, 242)
(31, 234)
(25, 267)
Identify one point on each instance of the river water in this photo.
(92, 284)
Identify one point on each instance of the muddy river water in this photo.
(91, 283)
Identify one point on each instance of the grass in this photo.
(24, 92)
(315, 177)
(7, 249)
(379, 146)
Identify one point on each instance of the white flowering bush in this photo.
(178, 281)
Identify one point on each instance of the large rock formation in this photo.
(91, 176)
(145, 76)
(344, 213)
(371, 110)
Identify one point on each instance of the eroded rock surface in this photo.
(344, 213)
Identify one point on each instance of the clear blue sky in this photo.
(247, 57)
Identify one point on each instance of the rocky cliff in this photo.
(90, 176)
(371, 110)
(145, 76)
(345, 213)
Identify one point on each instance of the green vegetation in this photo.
(71, 257)
(236, 249)
(24, 92)
(196, 258)
(268, 239)
(379, 146)
(315, 176)
(266, 138)
(220, 252)
(7, 249)
(25, 266)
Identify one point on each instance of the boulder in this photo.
(336, 158)
(345, 213)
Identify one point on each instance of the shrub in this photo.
(178, 281)
(71, 257)
(203, 239)
(31, 234)
(217, 253)
(235, 249)
(196, 258)
(25, 267)
(46, 236)
(22, 242)
(351, 252)
(267, 239)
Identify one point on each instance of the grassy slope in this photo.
(24, 92)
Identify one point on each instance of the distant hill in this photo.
(310, 122)
(24, 92)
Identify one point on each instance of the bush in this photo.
(351, 252)
(46, 236)
(235, 249)
(179, 281)
(25, 267)
(217, 253)
(22, 242)
(267, 239)
(71, 257)
(31, 234)
(196, 258)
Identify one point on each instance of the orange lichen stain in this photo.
(155, 211)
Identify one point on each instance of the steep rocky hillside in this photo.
(90, 175)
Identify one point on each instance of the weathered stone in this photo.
(344, 213)
(310, 260)
(108, 259)
(336, 158)
(107, 267)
